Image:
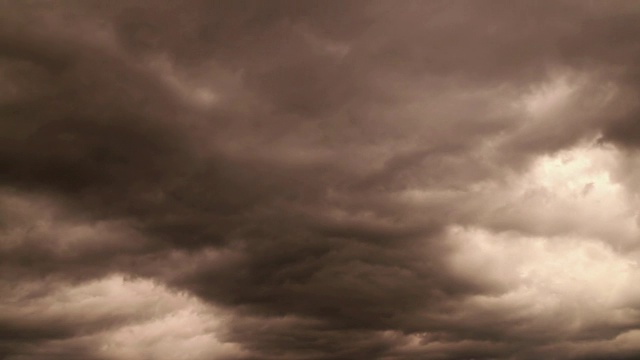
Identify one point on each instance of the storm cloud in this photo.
(319, 179)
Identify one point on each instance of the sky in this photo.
(319, 180)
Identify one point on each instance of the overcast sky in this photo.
(315, 180)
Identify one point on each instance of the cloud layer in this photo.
(319, 180)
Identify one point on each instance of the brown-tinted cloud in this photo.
(319, 180)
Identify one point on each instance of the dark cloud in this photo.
(318, 180)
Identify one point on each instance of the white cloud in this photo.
(566, 285)
(571, 192)
(120, 318)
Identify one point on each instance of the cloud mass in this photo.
(319, 180)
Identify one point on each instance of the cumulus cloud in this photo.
(319, 180)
